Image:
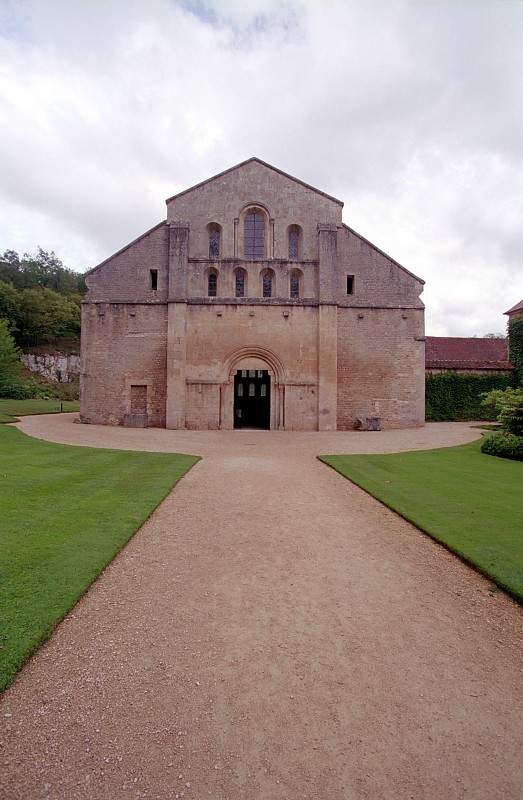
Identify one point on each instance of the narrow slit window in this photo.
(212, 284)
(294, 242)
(252, 390)
(295, 285)
(154, 279)
(267, 284)
(350, 284)
(240, 283)
(215, 234)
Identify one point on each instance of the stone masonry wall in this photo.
(122, 345)
(125, 277)
(222, 201)
(381, 367)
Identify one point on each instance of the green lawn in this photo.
(10, 410)
(471, 502)
(64, 514)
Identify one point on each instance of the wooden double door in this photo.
(252, 399)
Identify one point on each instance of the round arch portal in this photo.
(257, 360)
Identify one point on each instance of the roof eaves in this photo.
(517, 307)
(126, 247)
(383, 253)
(265, 164)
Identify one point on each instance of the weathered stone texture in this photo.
(381, 365)
(332, 357)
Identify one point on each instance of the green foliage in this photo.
(66, 512)
(41, 269)
(472, 504)
(10, 364)
(515, 346)
(11, 381)
(452, 396)
(503, 445)
(508, 405)
(40, 298)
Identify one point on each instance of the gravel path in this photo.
(272, 632)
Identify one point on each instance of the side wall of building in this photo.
(123, 346)
(381, 367)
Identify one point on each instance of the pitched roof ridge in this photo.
(263, 163)
(383, 253)
(126, 247)
(517, 307)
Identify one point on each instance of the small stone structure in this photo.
(53, 366)
(252, 305)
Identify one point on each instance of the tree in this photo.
(10, 305)
(10, 364)
(509, 406)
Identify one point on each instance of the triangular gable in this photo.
(393, 260)
(264, 164)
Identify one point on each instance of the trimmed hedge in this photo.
(451, 396)
(503, 445)
(515, 345)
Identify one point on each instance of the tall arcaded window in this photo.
(294, 234)
(267, 282)
(254, 234)
(240, 280)
(212, 283)
(215, 235)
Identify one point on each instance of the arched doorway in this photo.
(252, 399)
(263, 406)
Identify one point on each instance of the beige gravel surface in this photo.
(271, 632)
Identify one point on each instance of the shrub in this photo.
(452, 396)
(503, 445)
(509, 407)
(65, 391)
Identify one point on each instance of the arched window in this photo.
(240, 281)
(294, 234)
(267, 282)
(254, 234)
(295, 283)
(212, 283)
(215, 235)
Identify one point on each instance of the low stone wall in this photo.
(54, 367)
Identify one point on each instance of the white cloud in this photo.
(410, 112)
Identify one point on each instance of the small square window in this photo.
(350, 284)
(154, 279)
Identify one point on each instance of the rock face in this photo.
(53, 366)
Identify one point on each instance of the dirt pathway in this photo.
(271, 632)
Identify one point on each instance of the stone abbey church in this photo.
(252, 306)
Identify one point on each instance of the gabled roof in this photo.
(264, 164)
(456, 352)
(126, 247)
(383, 253)
(517, 307)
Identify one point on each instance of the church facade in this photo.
(252, 305)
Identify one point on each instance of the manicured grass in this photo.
(10, 410)
(64, 514)
(471, 502)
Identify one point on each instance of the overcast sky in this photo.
(410, 112)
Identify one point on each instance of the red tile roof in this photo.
(453, 352)
(517, 307)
